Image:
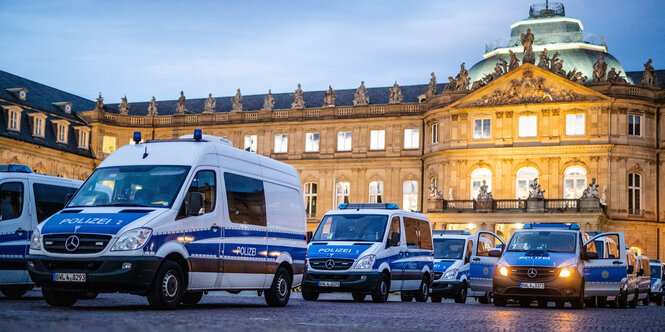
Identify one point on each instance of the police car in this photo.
(370, 249)
(643, 279)
(452, 257)
(656, 293)
(172, 219)
(26, 199)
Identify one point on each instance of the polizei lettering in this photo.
(336, 250)
(89, 221)
(246, 251)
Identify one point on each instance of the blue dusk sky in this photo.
(146, 48)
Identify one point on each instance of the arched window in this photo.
(342, 190)
(376, 192)
(477, 177)
(311, 190)
(574, 182)
(525, 177)
(634, 193)
(410, 196)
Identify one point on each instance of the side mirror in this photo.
(496, 252)
(590, 255)
(467, 260)
(394, 239)
(68, 198)
(631, 269)
(194, 203)
(309, 237)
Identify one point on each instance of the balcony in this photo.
(515, 206)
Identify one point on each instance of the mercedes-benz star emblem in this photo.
(532, 273)
(72, 243)
(330, 264)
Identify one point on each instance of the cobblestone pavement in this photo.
(246, 311)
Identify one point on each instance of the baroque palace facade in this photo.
(546, 128)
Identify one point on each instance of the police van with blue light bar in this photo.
(370, 249)
(26, 199)
(173, 219)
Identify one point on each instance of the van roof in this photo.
(387, 212)
(42, 177)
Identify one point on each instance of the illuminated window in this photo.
(344, 141)
(281, 143)
(376, 192)
(411, 138)
(528, 126)
(83, 138)
(342, 190)
(634, 193)
(481, 129)
(108, 144)
(38, 124)
(574, 124)
(251, 143)
(377, 140)
(312, 142)
(62, 128)
(574, 182)
(525, 178)
(310, 199)
(435, 133)
(14, 120)
(634, 125)
(410, 195)
(477, 177)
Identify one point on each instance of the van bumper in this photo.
(447, 289)
(103, 274)
(348, 282)
(562, 289)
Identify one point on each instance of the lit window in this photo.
(251, 143)
(410, 195)
(377, 140)
(281, 143)
(574, 182)
(342, 190)
(435, 133)
(528, 126)
(525, 178)
(376, 192)
(477, 177)
(310, 199)
(312, 142)
(634, 193)
(574, 124)
(344, 141)
(108, 144)
(83, 139)
(634, 125)
(14, 120)
(411, 138)
(481, 129)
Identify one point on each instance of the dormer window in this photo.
(83, 134)
(20, 93)
(61, 130)
(14, 118)
(64, 106)
(38, 124)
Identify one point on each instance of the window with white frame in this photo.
(312, 142)
(38, 124)
(376, 192)
(410, 195)
(574, 182)
(634, 193)
(411, 138)
(311, 191)
(377, 140)
(251, 143)
(344, 141)
(62, 131)
(525, 178)
(575, 124)
(477, 177)
(481, 128)
(281, 143)
(435, 133)
(342, 191)
(634, 125)
(14, 120)
(528, 126)
(83, 139)
(108, 144)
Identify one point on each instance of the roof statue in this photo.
(484, 195)
(527, 40)
(462, 79)
(395, 94)
(600, 70)
(649, 75)
(298, 101)
(544, 61)
(613, 76)
(210, 104)
(576, 76)
(329, 98)
(500, 68)
(269, 101)
(361, 98)
(592, 190)
(514, 61)
(431, 88)
(536, 192)
(123, 107)
(451, 84)
(236, 102)
(99, 105)
(557, 65)
(152, 107)
(182, 104)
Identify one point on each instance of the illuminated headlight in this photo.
(503, 271)
(452, 274)
(365, 262)
(132, 239)
(36, 240)
(565, 272)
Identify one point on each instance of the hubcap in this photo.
(281, 287)
(170, 284)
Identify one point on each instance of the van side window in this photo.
(425, 234)
(11, 200)
(418, 234)
(394, 228)
(246, 200)
(49, 199)
(469, 249)
(484, 244)
(205, 183)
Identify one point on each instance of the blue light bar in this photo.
(358, 206)
(574, 227)
(197, 134)
(137, 137)
(451, 232)
(15, 168)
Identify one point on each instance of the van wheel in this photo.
(485, 299)
(436, 298)
(380, 294)
(358, 297)
(15, 292)
(168, 287)
(423, 290)
(499, 301)
(191, 298)
(461, 295)
(279, 293)
(646, 301)
(622, 300)
(659, 299)
(309, 295)
(59, 299)
(633, 303)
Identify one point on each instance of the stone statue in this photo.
(514, 62)
(576, 76)
(450, 194)
(361, 97)
(557, 67)
(269, 101)
(298, 101)
(434, 193)
(431, 88)
(99, 105)
(123, 107)
(477, 84)
(591, 191)
(527, 40)
(152, 107)
(395, 94)
(210, 104)
(503, 64)
(544, 61)
(603, 197)
(614, 77)
(484, 195)
(236, 102)
(182, 104)
(649, 78)
(330, 97)
(536, 192)
(462, 79)
(451, 84)
(599, 70)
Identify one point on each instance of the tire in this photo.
(461, 296)
(168, 288)
(578, 303)
(309, 295)
(15, 292)
(191, 298)
(423, 291)
(601, 301)
(645, 302)
(622, 300)
(633, 303)
(485, 299)
(59, 299)
(499, 301)
(436, 298)
(280, 291)
(358, 297)
(380, 294)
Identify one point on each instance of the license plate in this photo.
(329, 284)
(69, 277)
(534, 285)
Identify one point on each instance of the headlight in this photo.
(565, 272)
(36, 240)
(503, 271)
(132, 239)
(452, 274)
(365, 262)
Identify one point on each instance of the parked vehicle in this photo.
(656, 293)
(172, 219)
(26, 199)
(643, 279)
(370, 249)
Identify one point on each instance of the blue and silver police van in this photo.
(656, 293)
(370, 249)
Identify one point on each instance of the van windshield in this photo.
(148, 186)
(448, 248)
(352, 227)
(552, 241)
(655, 271)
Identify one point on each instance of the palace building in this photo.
(547, 127)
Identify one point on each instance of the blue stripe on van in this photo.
(296, 253)
(604, 273)
(13, 237)
(203, 248)
(13, 250)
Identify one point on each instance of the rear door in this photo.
(481, 269)
(603, 276)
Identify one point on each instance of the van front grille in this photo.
(77, 244)
(541, 274)
(330, 263)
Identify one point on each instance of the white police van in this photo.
(370, 249)
(643, 279)
(172, 219)
(452, 258)
(656, 293)
(26, 199)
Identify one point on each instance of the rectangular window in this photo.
(246, 199)
(481, 129)
(251, 143)
(435, 133)
(14, 120)
(342, 191)
(39, 127)
(49, 199)
(311, 192)
(282, 204)
(411, 138)
(574, 124)
(634, 125)
(344, 141)
(83, 139)
(312, 142)
(108, 144)
(418, 234)
(281, 143)
(634, 194)
(528, 126)
(204, 182)
(11, 200)
(394, 228)
(377, 140)
(62, 133)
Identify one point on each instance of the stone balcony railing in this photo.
(515, 206)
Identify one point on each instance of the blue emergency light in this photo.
(15, 168)
(137, 137)
(574, 227)
(358, 206)
(197, 134)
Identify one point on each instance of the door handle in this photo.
(401, 253)
(20, 231)
(215, 227)
(617, 262)
(476, 259)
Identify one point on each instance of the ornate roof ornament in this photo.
(123, 107)
(484, 195)
(514, 61)
(649, 78)
(395, 94)
(99, 105)
(182, 104)
(330, 97)
(553, 64)
(527, 40)
(592, 190)
(613, 76)
(576, 76)
(600, 70)
(269, 102)
(298, 101)
(236, 102)
(462, 79)
(536, 192)
(152, 107)
(361, 98)
(210, 104)
(431, 88)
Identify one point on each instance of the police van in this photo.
(656, 293)
(26, 199)
(172, 219)
(370, 249)
(643, 279)
(452, 258)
